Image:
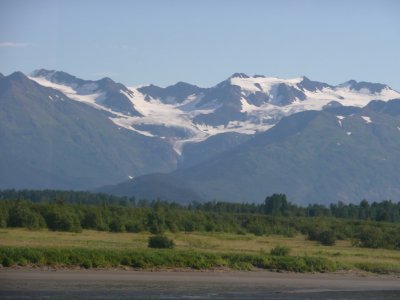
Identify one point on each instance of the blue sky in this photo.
(203, 42)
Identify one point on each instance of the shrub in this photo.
(134, 227)
(313, 233)
(3, 217)
(280, 251)
(370, 237)
(93, 219)
(256, 227)
(160, 241)
(21, 215)
(7, 262)
(377, 267)
(117, 225)
(156, 222)
(62, 219)
(327, 238)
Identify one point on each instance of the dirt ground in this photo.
(27, 283)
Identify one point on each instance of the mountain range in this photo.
(51, 141)
(240, 140)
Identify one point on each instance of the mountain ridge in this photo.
(311, 156)
(240, 104)
(218, 142)
(51, 141)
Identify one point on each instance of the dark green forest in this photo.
(374, 225)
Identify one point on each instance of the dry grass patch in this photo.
(343, 253)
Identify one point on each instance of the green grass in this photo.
(197, 250)
(95, 258)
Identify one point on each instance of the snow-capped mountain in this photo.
(241, 139)
(336, 154)
(103, 94)
(48, 140)
(184, 113)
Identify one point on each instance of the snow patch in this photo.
(366, 119)
(247, 107)
(264, 84)
(70, 92)
(126, 123)
(340, 118)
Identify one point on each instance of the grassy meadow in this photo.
(198, 250)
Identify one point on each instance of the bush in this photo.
(62, 219)
(377, 267)
(134, 227)
(93, 219)
(160, 241)
(117, 225)
(256, 227)
(7, 262)
(3, 217)
(371, 237)
(21, 215)
(327, 238)
(280, 251)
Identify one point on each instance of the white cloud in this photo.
(14, 45)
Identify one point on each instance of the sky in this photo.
(203, 42)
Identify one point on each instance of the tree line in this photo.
(274, 205)
(275, 216)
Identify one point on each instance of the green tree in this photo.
(93, 219)
(276, 205)
(61, 218)
(156, 221)
(21, 215)
(117, 225)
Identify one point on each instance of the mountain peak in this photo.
(42, 73)
(363, 85)
(391, 107)
(305, 78)
(183, 84)
(348, 83)
(19, 78)
(310, 85)
(17, 75)
(20, 83)
(56, 76)
(239, 75)
(171, 94)
(106, 80)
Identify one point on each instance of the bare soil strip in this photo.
(108, 284)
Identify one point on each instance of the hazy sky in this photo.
(203, 42)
